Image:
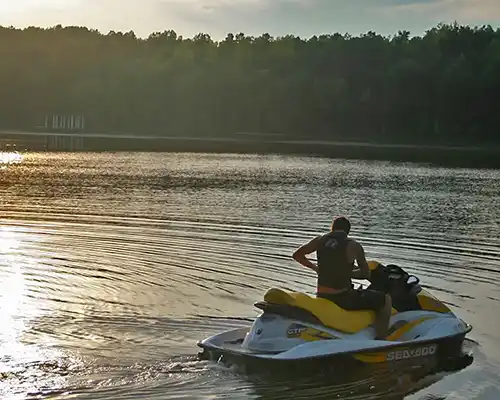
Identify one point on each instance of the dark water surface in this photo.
(112, 266)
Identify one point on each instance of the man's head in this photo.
(341, 224)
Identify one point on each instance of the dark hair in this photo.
(341, 224)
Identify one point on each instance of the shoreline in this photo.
(472, 156)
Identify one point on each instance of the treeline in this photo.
(441, 87)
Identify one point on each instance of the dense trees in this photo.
(441, 87)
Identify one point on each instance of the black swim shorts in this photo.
(360, 299)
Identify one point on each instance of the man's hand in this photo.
(300, 254)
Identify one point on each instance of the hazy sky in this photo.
(277, 17)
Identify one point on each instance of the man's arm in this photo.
(363, 271)
(300, 254)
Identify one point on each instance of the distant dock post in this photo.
(68, 127)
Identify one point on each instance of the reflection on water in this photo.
(25, 365)
(7, 158)
(112, 266)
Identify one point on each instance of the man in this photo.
(336, 253)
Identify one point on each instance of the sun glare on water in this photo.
(12, 288)
(18, 313)
(12, 292)
(8, 158)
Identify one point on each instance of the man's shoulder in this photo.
(354, 244)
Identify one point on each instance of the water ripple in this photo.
(113, 266)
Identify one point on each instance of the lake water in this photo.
(112, 266)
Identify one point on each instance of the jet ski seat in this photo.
(330, 314)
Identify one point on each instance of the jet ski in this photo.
(295, 326)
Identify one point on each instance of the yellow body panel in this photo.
(429, 303)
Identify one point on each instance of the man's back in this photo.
(335, 261)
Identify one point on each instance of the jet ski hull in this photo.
(442, 351)
(423, 336)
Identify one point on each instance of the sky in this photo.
(252, 17)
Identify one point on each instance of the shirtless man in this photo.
(336, 253)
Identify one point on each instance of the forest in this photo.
(440, 87)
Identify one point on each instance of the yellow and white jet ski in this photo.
(294, 326)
